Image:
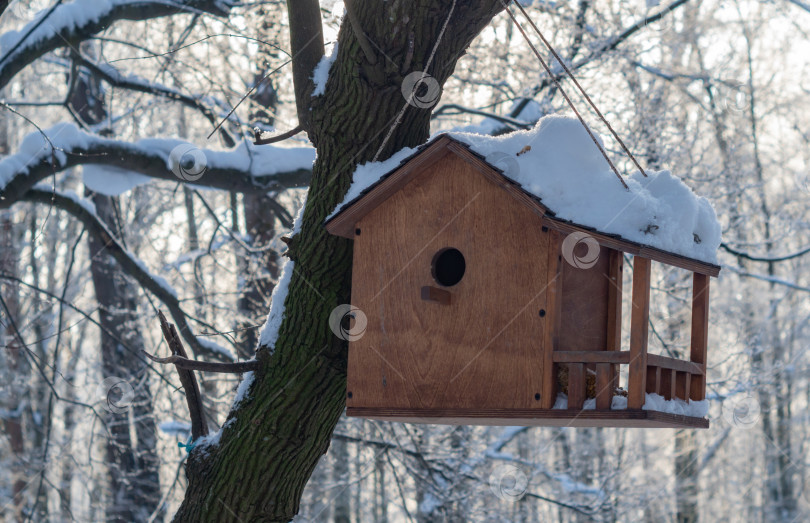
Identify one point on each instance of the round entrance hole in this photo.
(448, 267)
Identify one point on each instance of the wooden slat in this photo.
(576, 385)
(614, 326)
(667, 383)
(676, 260)
(653, 380)
(639, 325)
(533, 417)
(666, 362)
(583, 356)
(552, 319)
(585, 296)
(682, 382)
(605, 385)
(700, 334)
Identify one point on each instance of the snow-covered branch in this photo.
(84, 211)
(71, 23)
(246, 168)
(112, 76)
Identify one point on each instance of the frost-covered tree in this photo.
(714, 90)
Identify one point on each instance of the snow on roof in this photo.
(558, 162)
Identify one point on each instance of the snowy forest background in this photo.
(717, 91)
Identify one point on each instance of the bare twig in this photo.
(357, 29)
(206, 366)
(193, 397)
(278, 137)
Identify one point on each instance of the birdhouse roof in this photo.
(666, 211)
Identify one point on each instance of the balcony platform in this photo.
(534, 417)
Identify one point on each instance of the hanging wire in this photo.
(581, 90)
(565, 95)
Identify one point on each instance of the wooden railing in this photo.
(647, 373)
(667, 377)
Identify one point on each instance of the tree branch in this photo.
(193, 397)
(244, 169)
(128, 263)
(776, 259)
(306, 44)
(59, 30)
(278, 137)
(237, 367)
(357, 29)
(112, 76)
(512, 122)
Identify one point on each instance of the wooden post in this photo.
(683, 384)
(614, 318)
(654, 380)
(576, 385)
(700, 334)
(639, 326)
(605, 385)
(552, 317)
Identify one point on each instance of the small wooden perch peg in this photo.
(434, 294)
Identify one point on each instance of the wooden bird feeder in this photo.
(473, 312)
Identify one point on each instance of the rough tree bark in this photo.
(274, 439)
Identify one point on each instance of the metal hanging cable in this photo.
(581, 90)
(565, 95)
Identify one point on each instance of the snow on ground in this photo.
(560, 164)
(697, 409)
(321, 73)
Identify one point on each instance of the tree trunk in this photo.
(274, 439)
(133, 463)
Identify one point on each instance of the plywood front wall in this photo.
(585, 292)
(483, 350)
